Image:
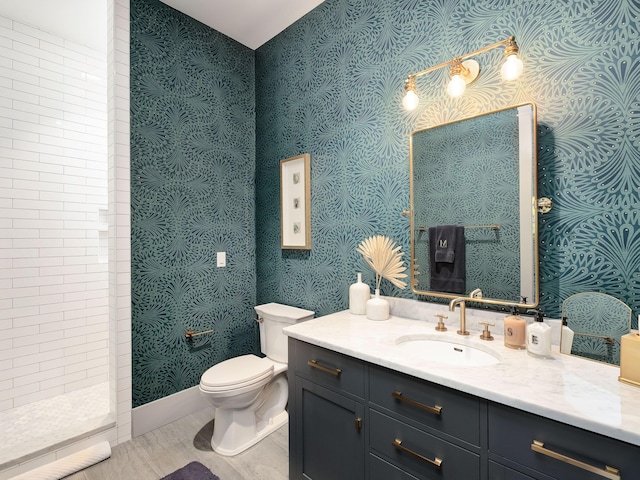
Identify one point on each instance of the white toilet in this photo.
(250, 393)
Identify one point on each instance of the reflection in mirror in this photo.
(596, 322)
(477, 177)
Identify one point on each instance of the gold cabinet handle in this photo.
(436, 409)
(608, 472)
(358, 424)
(436, 462)
(332, 371)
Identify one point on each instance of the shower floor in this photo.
(39, 427)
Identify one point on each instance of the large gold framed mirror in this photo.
(476, 178)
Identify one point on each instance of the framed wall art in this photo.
(295, 202)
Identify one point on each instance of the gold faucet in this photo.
(477, 293)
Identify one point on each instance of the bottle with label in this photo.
(538, 336)
(566, 337)
(359, 293)
(514, 330)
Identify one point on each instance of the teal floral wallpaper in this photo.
(192, 195)
(331, 85)
(208, 114)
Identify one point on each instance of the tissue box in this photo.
(630, 359)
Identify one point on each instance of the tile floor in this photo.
(156, 454)
(32, 429)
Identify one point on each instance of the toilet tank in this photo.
(273, 317)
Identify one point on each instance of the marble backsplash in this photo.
(426, 311)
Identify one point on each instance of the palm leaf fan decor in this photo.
(382, 254)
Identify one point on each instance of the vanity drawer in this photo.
(382, 470)
(329, 368)
(565, 451)
(500, 472)
(419, 452)
(433, 406)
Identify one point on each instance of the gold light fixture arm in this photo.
(509, 43)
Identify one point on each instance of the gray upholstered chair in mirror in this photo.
(598, 321)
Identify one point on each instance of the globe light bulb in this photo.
(456, 86)
(512, 68)
(410, 100)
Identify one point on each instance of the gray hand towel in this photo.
(445, 276)
(445, 238)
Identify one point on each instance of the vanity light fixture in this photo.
(463, 71)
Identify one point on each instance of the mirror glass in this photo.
(595, 323)
(473, 192)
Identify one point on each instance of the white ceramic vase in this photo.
(377, 308)
(359, 294)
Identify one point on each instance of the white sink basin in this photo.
(445, 351)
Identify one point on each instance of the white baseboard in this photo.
(166, 410)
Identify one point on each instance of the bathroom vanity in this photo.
(364, 404)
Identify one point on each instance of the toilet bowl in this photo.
(250, 393)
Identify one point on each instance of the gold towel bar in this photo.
(191, 333)
(607, 340)
(494, 226)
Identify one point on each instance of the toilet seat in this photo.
(239, 373)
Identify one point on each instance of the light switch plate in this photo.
(221, 259)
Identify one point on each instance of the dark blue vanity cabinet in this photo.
(327, 428)
(352, 420)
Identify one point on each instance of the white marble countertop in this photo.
(565, 388)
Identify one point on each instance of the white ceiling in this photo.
(81, 21)
(250, 22)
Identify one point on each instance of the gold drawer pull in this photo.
(332, 371)
(437, 462)
(608, 472)
(398, 396)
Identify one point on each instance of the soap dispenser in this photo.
(538, 336)
(566, 337)
(514, 330)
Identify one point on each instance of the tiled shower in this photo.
(61, 338)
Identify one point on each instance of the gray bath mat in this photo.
(192, 471)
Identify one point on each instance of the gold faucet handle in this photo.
(486, 334)
(441, 327)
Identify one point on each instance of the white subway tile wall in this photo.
(64, 354)
(28, 165)
(54, 287)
